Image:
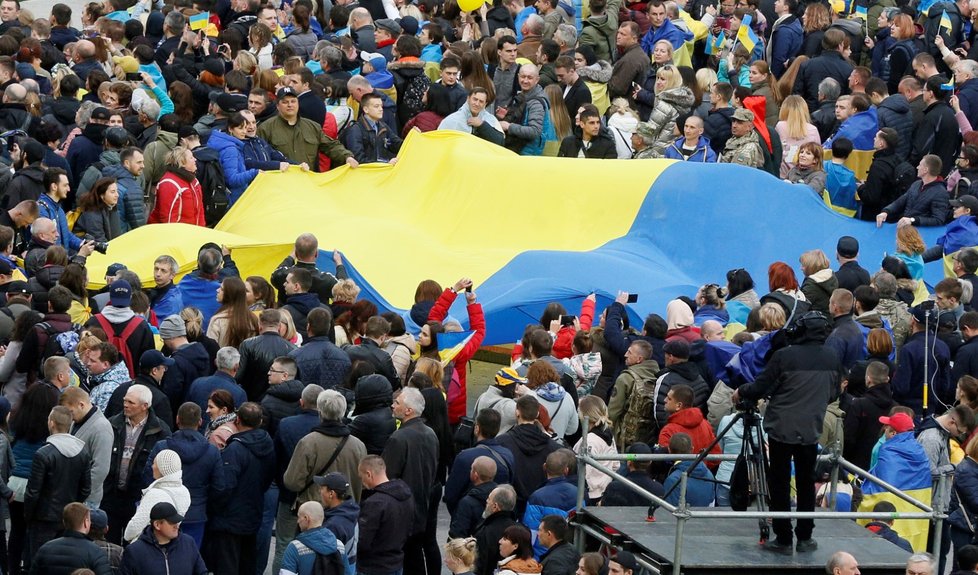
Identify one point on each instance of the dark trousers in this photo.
(945, 543)
(119, 509)
(39, 533)
(779, 483)
(18, 537)
(231, 554)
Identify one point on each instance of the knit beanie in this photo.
(167, 461)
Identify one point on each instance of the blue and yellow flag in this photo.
(199, 21)
(948, 86)
(945, 22)
(450, 343)
(861, 12)
(902, 463)
(746, 36)
(715, 43)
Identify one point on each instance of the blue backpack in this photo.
(547, 134)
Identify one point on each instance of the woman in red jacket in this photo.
(179, 199)
(456, 395)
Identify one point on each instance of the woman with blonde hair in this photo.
(705, 78)
(600, 440)
(560, 116)
(795, 128)
(460, 555)
(808, 168)
(671, 100)
(661, 57)
(193, 322)
(910, 249)
(622, 123)
(260, 40)
(711, 305)
(287, 328)
(820, 280)
(433, 369)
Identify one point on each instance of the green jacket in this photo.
(599, 32)
(302, 141)
(632, 402)
(154, 158)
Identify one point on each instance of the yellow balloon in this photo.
(470, 5)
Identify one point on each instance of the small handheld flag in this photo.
(945, 21)
(715, 43)
(199, 21)
(862, 12)
(949, 86)
(746, 36)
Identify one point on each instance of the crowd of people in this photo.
(174, 426)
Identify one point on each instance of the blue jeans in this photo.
(264, 536)
(723, 495)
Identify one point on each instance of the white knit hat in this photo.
(167, 461)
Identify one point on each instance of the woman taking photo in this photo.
(222, 424)
(233, 322)
(179, 199)
(98, 218)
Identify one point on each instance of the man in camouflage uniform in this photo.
(633, 398)
(642, 140)
(892, 309)
(743, 147)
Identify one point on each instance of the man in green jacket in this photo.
(300, 139)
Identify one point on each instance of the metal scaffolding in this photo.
(683, 513)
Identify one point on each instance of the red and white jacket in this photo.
(178, 202)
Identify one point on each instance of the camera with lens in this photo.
(100, 247)
(746, 404)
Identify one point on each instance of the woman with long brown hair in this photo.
(183, 101)
(814, 22)
(474, 74)
(233, 322)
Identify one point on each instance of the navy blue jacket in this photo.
(63, 35)
(202, 388)
(617, 495)
(968, 99)
(966, 488)
(894, 112)
(342, 521)
(556, 497)
(260, 155)
(786, 40)
(619, 340)
(908, 380)
(247, 475)
(468, 513)
(700, 488)
(886, 532)
(83, 151)
(203, 472)
(290, 430)
(319, 361)
(847, 340)
(458, 482)
(966, 360)
(928, 204)
(192, 362)
(829, 64)
(145, 556)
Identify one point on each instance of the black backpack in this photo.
(214, 189)
(903, 177)
(331, 564)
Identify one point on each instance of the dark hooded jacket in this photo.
(602, 147)
(248, 473)
(685, 373)
(257, 355)
(299, 305)
(386, 520)
(203, 473)
(894, 112)
(69, 552)
(373, 422)
(146, 556)
(281, 401)
(862, 426)
(191, 362)
(530, 447)
(26, 184)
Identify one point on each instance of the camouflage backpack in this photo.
(638, 422)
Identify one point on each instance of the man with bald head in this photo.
(314, 537)
(13, 110)
(83, 59)
(304, 255)
(468, 513)
(524, 130)
(842, 563)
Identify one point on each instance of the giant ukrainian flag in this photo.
(527, 230)
(903, 464)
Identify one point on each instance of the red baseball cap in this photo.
(900, 422)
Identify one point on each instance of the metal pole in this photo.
(700, 514)
(834, 487)
(894, 490)
(939, 515)
(581, 487)
(681, 515)
(663, 457)
(589, 460)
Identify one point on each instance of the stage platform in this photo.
(725, 546)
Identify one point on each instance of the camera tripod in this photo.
(755, 459)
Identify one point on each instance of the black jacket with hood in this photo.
(373, 423)
(530, 447)
(248, 472)
(386, 521)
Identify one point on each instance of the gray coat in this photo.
(96, 432)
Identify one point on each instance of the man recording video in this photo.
(800, 380)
